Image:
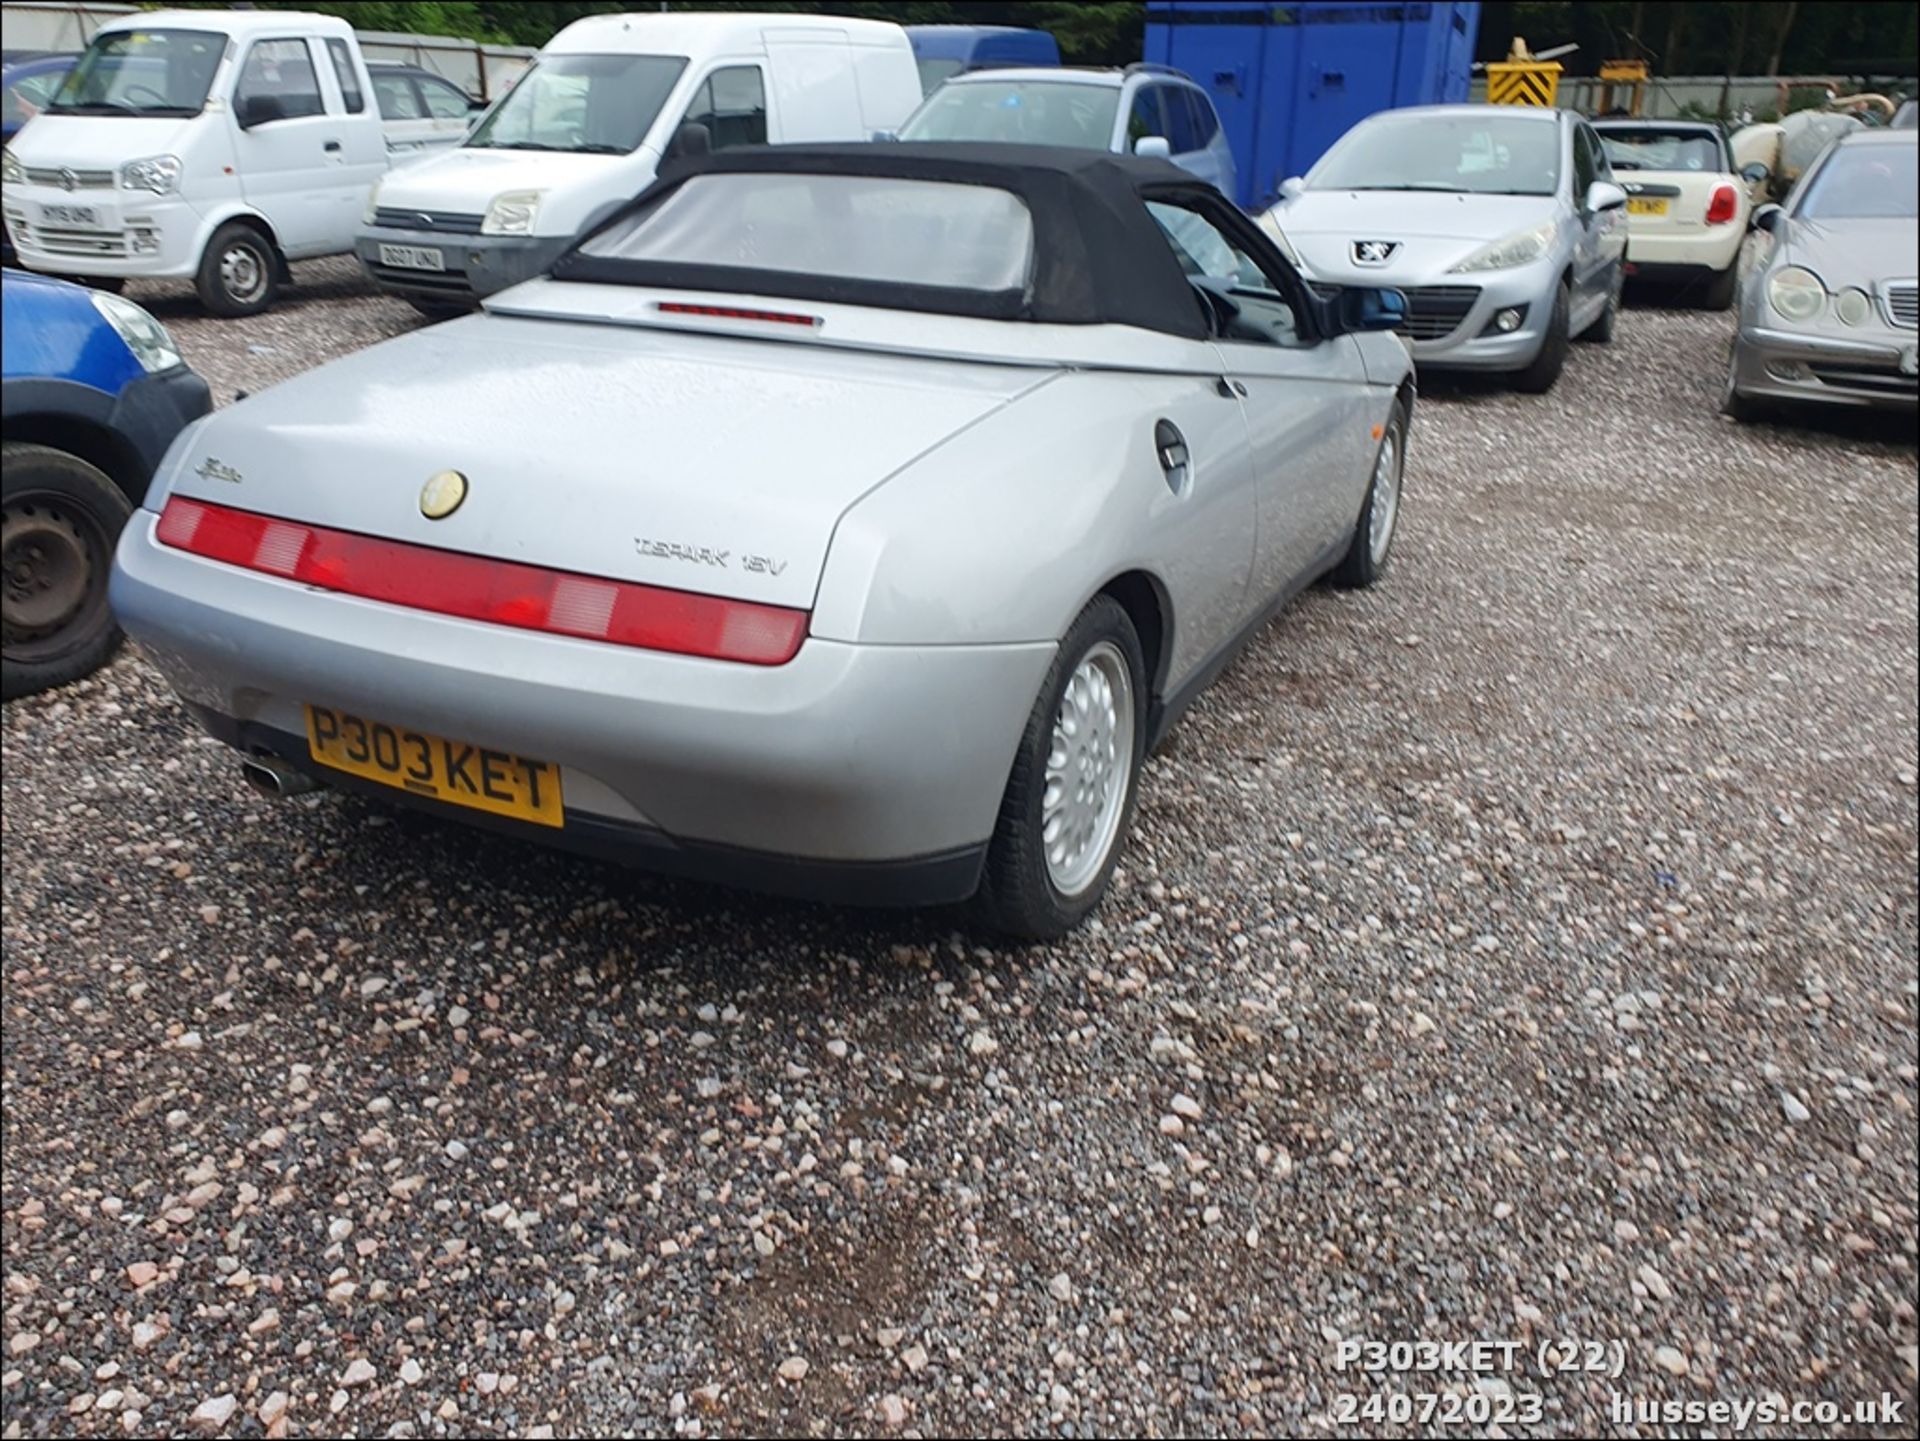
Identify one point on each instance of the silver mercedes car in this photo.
(845, 521)
(1502, 225)
(1829, 297)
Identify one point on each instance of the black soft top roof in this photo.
(1098, 256)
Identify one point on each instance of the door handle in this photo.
(1227, 389)
(332, 147)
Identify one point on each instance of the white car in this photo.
(1687, 209)
(1141, 110)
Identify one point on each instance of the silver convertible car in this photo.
(843, 521)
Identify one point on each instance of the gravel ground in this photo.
(1525, 949)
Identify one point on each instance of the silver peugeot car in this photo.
(847, 521)
(1829, 297)
(1501, 224)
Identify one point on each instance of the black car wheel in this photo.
(59, 521)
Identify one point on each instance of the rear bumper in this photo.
(1782, 365)
(800, 777)
(1691, 253)
(476, 265)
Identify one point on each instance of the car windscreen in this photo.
(1647, 148)
(1473, 154)
(1018, 112)
(1862, 182)
(596, 104)
(872, 229)
(142, 72)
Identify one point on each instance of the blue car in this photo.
(92, 392)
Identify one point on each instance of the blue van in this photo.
(92, 392)
(943, 51)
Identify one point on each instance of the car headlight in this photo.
(1795, 293)
(512, 213)
(146, 337)
(11, 172)
(1521, 248)
(1852, 306)
(158, 173)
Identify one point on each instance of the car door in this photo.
(1305, 400)
(1594, 248)
(288, 148)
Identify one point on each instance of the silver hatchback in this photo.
(1503, 226)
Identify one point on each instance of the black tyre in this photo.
(1720, 289)
(1538, 378)
(59, 520)
(1373, 533)
(1735, 404)
(1069, 800)
(1601, 331)
(239, 272)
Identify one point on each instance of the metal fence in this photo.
(1669, 96)
(479, 69)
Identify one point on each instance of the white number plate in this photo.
(413, 257)
(69, 215)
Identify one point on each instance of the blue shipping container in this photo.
(1289, 80)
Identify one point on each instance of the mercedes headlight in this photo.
(1853, 306)
(1521, 248)
(11, 172)
(1796, 294)
(158, 173)
(146, 337)
(512, 213)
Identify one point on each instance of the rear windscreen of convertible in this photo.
(875, 229)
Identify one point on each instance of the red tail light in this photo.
(476, 588)
(1724, 205)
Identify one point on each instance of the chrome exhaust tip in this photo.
(275, 778)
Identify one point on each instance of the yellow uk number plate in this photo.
(427, 765)
(1642, 206)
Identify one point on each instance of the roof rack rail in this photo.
(1143, 66)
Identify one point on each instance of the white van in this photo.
(587, 124)
(211, 144)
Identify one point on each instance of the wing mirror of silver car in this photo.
(1604, 195)
(1754, 171)
(1358, 307)
(1767, 217)
(1291, 186)
(1154, 147)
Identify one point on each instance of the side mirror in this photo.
(1768, 218)
(477, 106)
(690, 140)
(1754, 172)
(1604, 195)
(1293, 185)
(884, 137)
(1153, 147)
(1367, 307)
(252, 110)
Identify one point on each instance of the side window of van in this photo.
(732, 104)
(343, 72)
(277, 83)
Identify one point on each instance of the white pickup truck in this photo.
(215, 145)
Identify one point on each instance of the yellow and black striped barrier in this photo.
(1523, 82)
